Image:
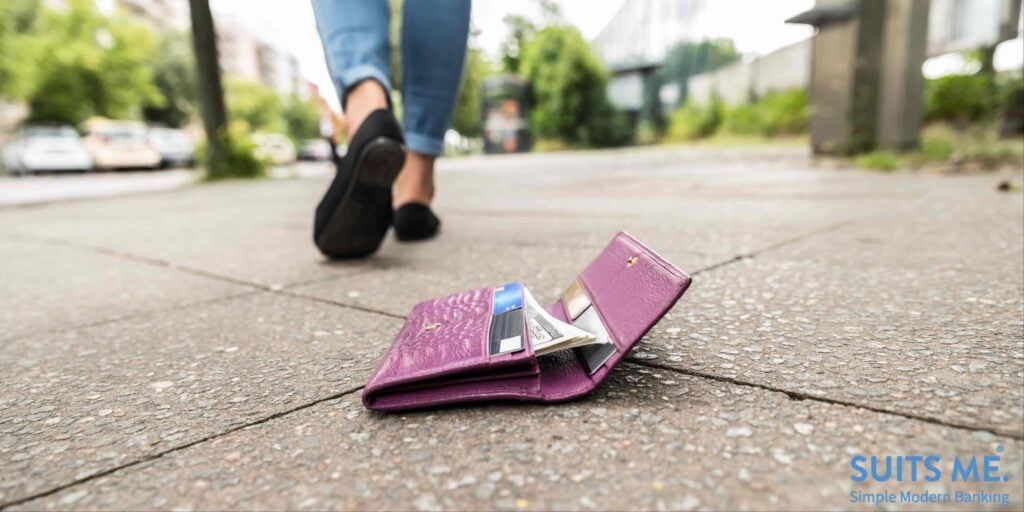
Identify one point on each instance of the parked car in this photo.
(175, 147)
(274, 147)
(316, 150)
(45, 148)
(119, 145)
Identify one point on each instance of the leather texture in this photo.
(440, 355)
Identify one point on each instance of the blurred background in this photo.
(93, 86)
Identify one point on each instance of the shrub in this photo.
(778, 113)
(301, 119)
(784, 112)
(746, 119)
(607, 128)
(961, 98)
(692, 121)
(1011, 97)
(239, 159)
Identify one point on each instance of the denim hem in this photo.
(424, 145)
(357, 74)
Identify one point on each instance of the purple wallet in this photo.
(441, 354)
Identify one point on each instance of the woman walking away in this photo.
(387, 176)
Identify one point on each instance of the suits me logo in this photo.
(929, 468)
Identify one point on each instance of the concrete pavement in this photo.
(190, 349)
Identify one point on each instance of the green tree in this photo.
(689, 59)
(568, 82)
(395, 36)
(88, 64)
(255, 104)
(301, 119)
(467, 116)
(174, 73)
(520, 31)
(17, 22)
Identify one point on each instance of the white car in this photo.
(315, 150)
(120, 145)
(175, 147)
(45, 148)
(274, 147)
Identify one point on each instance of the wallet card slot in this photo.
(482, 375)
(444, 344)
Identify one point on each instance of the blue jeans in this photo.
(355, 35)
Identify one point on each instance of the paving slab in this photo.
(919, 314)
(426, 271)
(85, 401)
(648, 439)
(694, 203)
(897, 293)
(48, 287)
(256, 232)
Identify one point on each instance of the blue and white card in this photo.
(508, 297)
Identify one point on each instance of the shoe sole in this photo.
(359, 223)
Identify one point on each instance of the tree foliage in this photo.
(255, 105)
(301, 119)
(17, 20)
(467, 117)
(568, 82)
(174, 74)
(687, 59)
(87, 64)
(520, 31)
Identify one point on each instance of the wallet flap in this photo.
(445, 341)
(631, 288)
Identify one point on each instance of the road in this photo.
(53, 187)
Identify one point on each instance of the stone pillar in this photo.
(901, 98)
(866, 85)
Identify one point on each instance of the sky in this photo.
(290, 24)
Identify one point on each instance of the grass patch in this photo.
(975, 148)
(879, 161)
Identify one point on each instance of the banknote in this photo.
(549, 334)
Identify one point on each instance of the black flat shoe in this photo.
(355, 213)
(415, 221)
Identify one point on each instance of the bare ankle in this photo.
(415, 184)
(360, 101)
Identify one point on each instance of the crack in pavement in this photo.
(164, 264)
(777, 245)
(793, 395)
(141, 460)
(800, 395)
(132, 316)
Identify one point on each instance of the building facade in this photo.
(243, 53)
